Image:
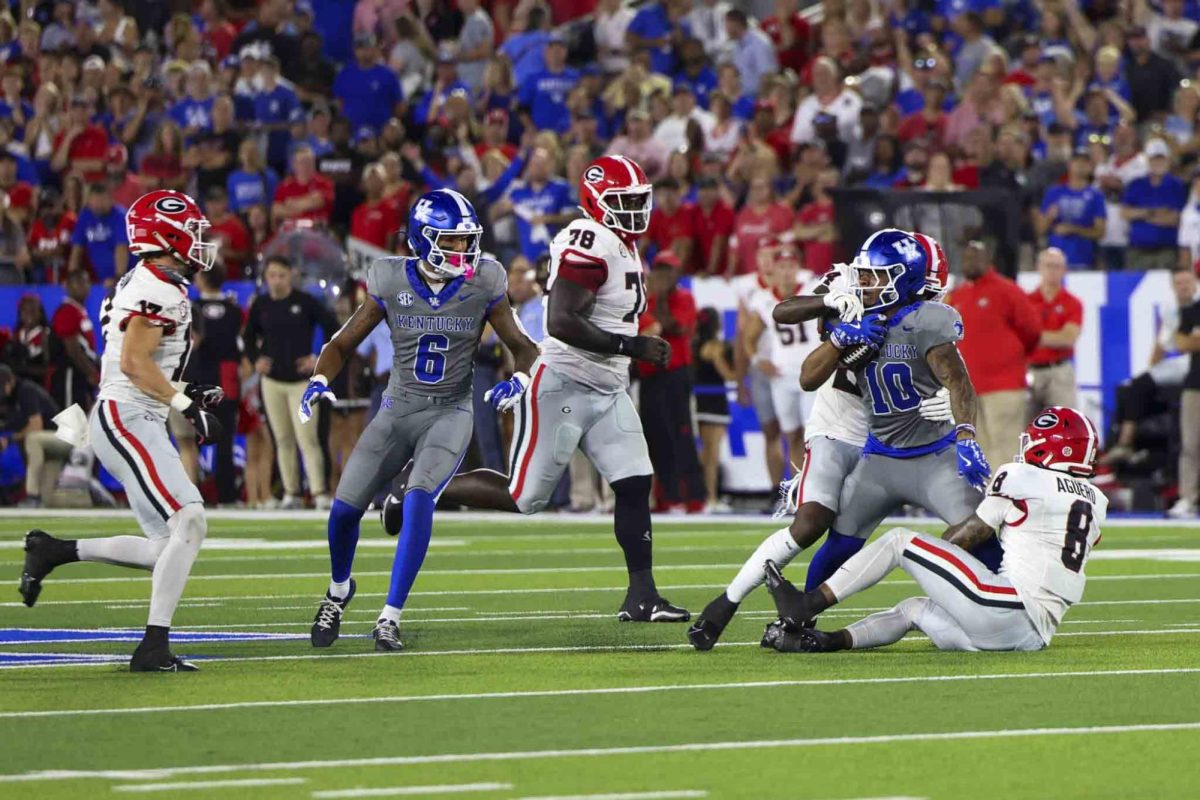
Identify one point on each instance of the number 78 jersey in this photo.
(587, 253)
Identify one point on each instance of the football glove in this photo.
(870, 330)
(937, 408)
(317, 389)
(848, 306)
(208, 429)
(205, 394)
(505, 395)
(972, 464)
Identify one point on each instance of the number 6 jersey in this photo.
(587, 253)
(159, 296)
(1048, 522)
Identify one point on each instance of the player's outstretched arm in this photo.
(801, 308)
(818, 366)
(951, 372)
(566, 321)
(336, 353)
(970, 533)
(504, 323)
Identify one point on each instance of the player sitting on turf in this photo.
(147, 325)
(436, 306)
(1048, 518)
(578, 396)
(897, 358)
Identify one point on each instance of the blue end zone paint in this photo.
(29, 638)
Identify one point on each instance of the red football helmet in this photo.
(166, 221)
(615, 192)
(937, 275)
(1061, 439)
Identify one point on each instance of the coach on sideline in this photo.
(1052, 363)
(1000, 330)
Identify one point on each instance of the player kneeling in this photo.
(1048, 518)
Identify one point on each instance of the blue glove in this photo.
(505, 395)
(317, 388)
(972, 464)
(870, 330)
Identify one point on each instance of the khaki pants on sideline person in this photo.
(281, 400)
(43, 448)
(1002, 417)
(1189, 453)
(1052, 386)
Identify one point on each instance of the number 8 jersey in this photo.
(587, 253)
(159, 296)
(1048, 523)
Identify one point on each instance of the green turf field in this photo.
(519, 682)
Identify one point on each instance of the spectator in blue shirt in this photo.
(541, 205)
(656, 27)
(368, 90)
(1152, 206)
(273, 107)
(753, 52)
(1074, 214)
(12, 105)
(445, 83)
(544, 96)
(252, 183)
(525, 49)
(194, 112)
(100, 236)
(696, 73)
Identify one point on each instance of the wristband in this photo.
(623, 344)
(180, 402)
(965, 427)
(321, 379)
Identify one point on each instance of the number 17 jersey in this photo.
(587, 253)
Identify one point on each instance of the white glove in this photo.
(937, 408)
(848, 306)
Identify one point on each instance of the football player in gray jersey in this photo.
(435, 306)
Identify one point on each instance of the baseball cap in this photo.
(682, 87)
(231, 61)
(1157, 148)
(557, 38)
(93, 62)
(363, 133)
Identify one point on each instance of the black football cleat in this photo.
(387, 636)
(790, 602)
(391, 516)
(779, 636)
(158, 659)
(327, 624)
(773, 629)
(706, 630)
(651, 608)
(42, 554)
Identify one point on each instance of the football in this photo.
(855, 357)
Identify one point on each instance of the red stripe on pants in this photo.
(144, 456)
(983, 587)
(533, 433)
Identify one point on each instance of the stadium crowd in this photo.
(328, 117)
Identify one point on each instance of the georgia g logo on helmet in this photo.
(170, 205)
(1045, 421)
(593, 174)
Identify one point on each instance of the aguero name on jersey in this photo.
(895, 382)
(434, 333)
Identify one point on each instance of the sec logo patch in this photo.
(405, 299)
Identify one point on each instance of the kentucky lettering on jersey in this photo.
(160, 297)
(434, 334)
(1048, 524)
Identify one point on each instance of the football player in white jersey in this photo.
(787, 345)
(1048, 518)
(755, 384)
(833, 442)
(577, 390)
(147, 330)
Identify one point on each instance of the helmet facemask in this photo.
(202, 253)
(627, 210)
(889, 295)
(453, 263)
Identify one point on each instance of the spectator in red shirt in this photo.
(791, 34)
(162, 167)
(75, 371)
(495, 136)
(671, 224)
(19, 193)
(49, 236)
(666, 393)
(1061, 314)
(81, 149)
(712, 221)
(930, 122)
(377, 218)
(219, 32)
(229, 230)
(305, 193)
(761, 218)
(814, 224)
(1001, 329)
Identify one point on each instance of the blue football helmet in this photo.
(900, 258)
(444, 212)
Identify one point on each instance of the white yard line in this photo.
(185, 785)
(601, 752)
(402, 791)
(616, 690)
(663, 795)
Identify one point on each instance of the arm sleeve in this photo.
(939, 324)
(161, 304)
(499, 288)
(582, 268)
(1025, 320)
(374, 289)
(993, 510)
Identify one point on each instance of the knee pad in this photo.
(189, 525)
(633, 488)
(912, 608)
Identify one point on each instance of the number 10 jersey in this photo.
(592, 256)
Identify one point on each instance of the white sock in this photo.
(391, 614)
(870, 565)
(338, 591)
(779, 547)
(188, 529)
(124, 551)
